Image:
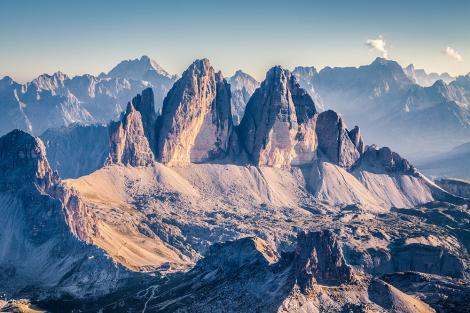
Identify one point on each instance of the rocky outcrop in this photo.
(128, 144)
(356, 138)
(335, 143)
(384, 160)
(277, 128)
(230, 256)
(319, 260)
(238, 276)
(145, 104)
(196, 120)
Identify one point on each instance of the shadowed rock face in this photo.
(319, 260)
(127, 141)
(356, 138)
(196, 120)
(334, 140)
(23, 160)
(145, 104)
(385, 160)
(276, 127)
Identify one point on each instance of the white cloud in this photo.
(379, 45)
(454, 54)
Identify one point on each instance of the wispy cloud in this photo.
(454, 54)
(379, 45)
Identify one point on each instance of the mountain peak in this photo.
(137, 69)
(379, 61)
(305, 71)
(277, 72)
(6, 79)
(199, 67)
(129, 137)
(196, 121)
(240, 79)
(279, 108)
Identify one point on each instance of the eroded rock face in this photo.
(277, 128)
(319, 260)
(196, 120)
(356, 138)
(145, 104)
(127, 141)
(335, 142)
(232, 255)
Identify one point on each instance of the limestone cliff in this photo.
(278, 126)
(127, 141)
(334, 140)
(196, 120)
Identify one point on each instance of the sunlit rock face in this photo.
(196, 121)
(278, 126)
(127, 141)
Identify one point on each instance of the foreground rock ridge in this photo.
(40, 252)
(246, 275)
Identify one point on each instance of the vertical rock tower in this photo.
(196, 121)
(278, 128)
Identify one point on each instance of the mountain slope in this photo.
(39, 255)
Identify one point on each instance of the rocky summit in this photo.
(183, 210)
(276, 129)
(196, 120)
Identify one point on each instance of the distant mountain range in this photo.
(59, 100)
(393, 109)
(422, 78)
(415, 113)
(454, 163)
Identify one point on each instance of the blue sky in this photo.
(92, 36)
